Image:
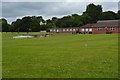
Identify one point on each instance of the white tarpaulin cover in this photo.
(23, 36)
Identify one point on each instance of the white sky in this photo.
(14, 9)
(60, 1)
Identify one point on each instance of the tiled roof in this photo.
(101, 23)
(104, 23)
(88, 25)
(66, 28)
(107, 23)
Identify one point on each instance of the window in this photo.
(99, 28)
(57, 30)
(67, 30)
(70, 29)
(60, 29)
(86, 29)
(112, 28)
(76, 29)
(54, 30)
(73, 29)
(82, 29)
(50, 29)
(63, 29)
(90, 29)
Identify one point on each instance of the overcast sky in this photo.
(13, 10)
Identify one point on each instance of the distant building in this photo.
(101, 27)
(86, 29)
(65, 30)
(41, 23)
(106, 26)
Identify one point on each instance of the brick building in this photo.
(65, 30)
(101, 27)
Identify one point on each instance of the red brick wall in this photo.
(80, 30)
(61, 30)
(104, 30)
(94, 30)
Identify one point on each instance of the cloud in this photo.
(45, 9)
(13, 10)
(60, 1)
(33, 0)
(0, 9)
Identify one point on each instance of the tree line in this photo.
(92, 14)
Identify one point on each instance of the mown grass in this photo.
(11, 34)
(61, 56)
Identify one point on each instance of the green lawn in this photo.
(61, 56)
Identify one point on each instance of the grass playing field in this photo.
(61, 56)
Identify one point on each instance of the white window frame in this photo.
(86, 29)
(90, 29)
(112, 28)
(100, 28)
(70, 29)
(63, 29)
(74, 29)
(67, 29)
(57, 30)
(83, 29)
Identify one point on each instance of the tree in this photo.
(25, 24)
(54, 21)
(5, 25)
(37, 24)
(51, 23)
(17, 25)
(85, 19)
(65, 21)
(21, 25)
(48, 26)
(76, 20)
(12, 27)
(94, 11)
(34, 25)
(0, 25)
(109, 15)
(118, 14)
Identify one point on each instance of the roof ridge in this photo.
(106, 21)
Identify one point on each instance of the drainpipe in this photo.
(106, 29)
